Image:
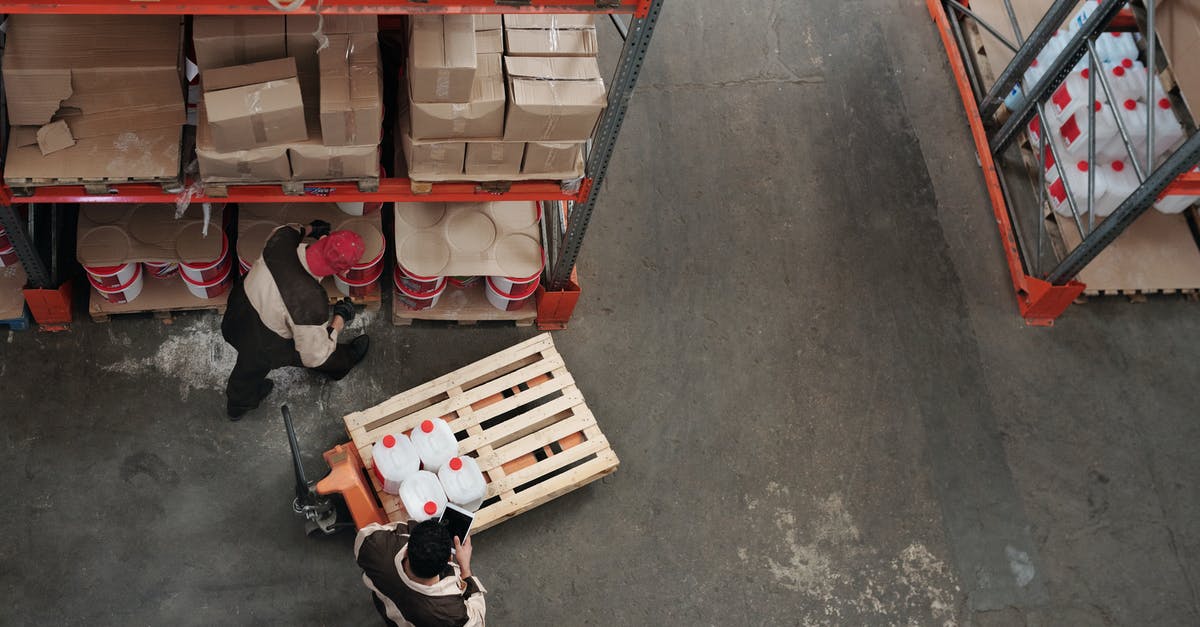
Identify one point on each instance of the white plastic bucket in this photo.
(415, 300)
(423, 496)
(204, 271)
(435, 443)
(124, 293)
(463, 482)
(160, 269)
(359, 208)
(211, 288)
(360, 288)
(395, 460)
(415, 282)
(111, 276)
(509, 301)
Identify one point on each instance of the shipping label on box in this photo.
(253, 106)
(494, 158)
(260, 164)
(553, 98)
(482, 117)
(441, 58)
(228, 40)
(431, 158)
(351, 91)
(551, 158)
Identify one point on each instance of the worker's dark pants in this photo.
(260, 351)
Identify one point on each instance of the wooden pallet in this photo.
(495, 434)
(373, 301)
(568, 186)
(464, 306)
(95, 187)
(218, 189)
(160, 297)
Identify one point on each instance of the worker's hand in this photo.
(462, 555)
(319, 228)
(345, 309)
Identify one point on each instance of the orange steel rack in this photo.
(559, 291)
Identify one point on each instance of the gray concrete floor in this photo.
(797, 333)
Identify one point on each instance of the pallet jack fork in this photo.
(322, 504)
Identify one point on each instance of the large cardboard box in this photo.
(253, 106)
(302, 40)
(430, 159)
(315, 160)
(489, 34)
(553, 98)
(227, 40)
(260, 164)
(550, 35)
(550, 157)
(100, 89)
(494, 158)
(150, 154)
(351, 90)
(441, 58)
(482, 117)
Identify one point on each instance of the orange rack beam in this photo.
(257, 7)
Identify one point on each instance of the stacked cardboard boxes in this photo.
(279, 106)
(84, 108)
(477, 114)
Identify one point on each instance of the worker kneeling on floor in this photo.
(279, 314)
(407, 567)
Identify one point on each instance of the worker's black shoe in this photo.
(358, 350)
(264, 390)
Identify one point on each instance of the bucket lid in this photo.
(441, 287)
(108, 289)
(522, 291)
(520, 256)
(207, 284)
(196, 246)
(373, 242)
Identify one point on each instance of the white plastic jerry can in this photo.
(1072, 95)
(1168, 133)
(464, 483)
(1133, 114)
(435, 443)
(1077, 178)
(395, 460)
(423, 496)
(1112, 47)
(1127, 79)
(1120, 181)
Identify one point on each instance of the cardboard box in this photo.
(302, 41)
(253, 106)
(550, 35)
(1178, 25)
(260, 164)
(315, 160)
(441, 58)
(136, 86)
(351, 91)
(133, 155)
(489, 34)
(550, 158)
(494, 158)
(482, 117)
(553, 98)
(430, 158)
(229, 40)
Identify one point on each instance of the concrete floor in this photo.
(797, 333)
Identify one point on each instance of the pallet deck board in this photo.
(161, 297)
(501, 432)
(465, 305)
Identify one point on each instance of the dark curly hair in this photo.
(429, 545)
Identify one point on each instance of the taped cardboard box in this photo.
(494, 158)
(302, 40)
(224, 41)
(550, 157)
(430, 159)
(550, 36)
(1178, 25)
(482, 117)
(553, 98)
(441, 58)
(489, 34)
(253, 106)
(100, 88)
(312, 161)
(240, 166)
(112, 234)
(351, 91)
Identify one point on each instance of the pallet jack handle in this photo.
(302, 485)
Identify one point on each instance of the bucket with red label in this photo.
(509, 300)
(370, 269)
(361, 287)
(121, 293)
(415, 282)
(416, 300)
(161, 269)
(204, 272)
(210, 288)
(112, 276)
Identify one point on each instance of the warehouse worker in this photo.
(412, 581)
(279, 314)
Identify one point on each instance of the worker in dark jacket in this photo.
(407, 568)
(279, 314)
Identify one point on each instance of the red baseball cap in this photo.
(335, 253)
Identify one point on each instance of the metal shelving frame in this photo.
(1044, 294)
(563, 241)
